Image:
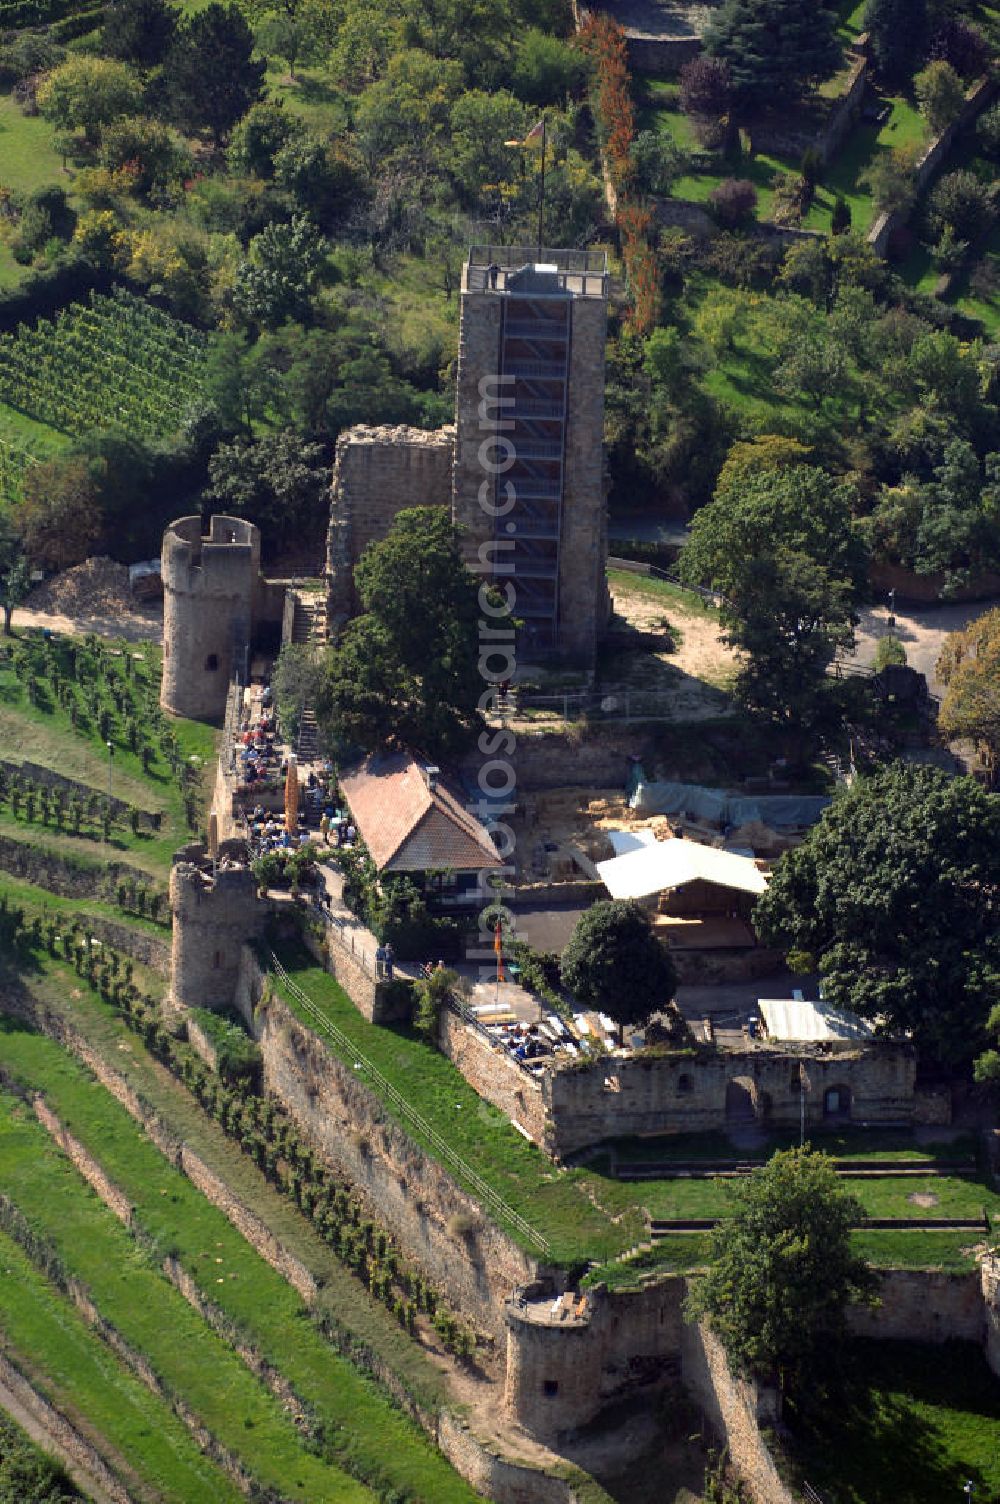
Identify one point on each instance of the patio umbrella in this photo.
(292, 797)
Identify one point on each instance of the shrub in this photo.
(706, 88)
(840, 219)
(988, 131)
(962, 203)
(733, 202)
(889, 652)
(939, 94)
(961, 45)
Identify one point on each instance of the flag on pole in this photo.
(498, 948)
(537, 133)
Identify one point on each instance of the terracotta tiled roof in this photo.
(409, 827)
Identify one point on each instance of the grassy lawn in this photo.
(374, 1440)
(136, 1433)
(624, 582)
(555, 1201)
(155, 1319)
(905, 127)
(920, 1420)
(843, 1143)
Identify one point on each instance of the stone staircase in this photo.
(309, 621)
(307, 742)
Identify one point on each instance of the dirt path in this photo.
(134, 626)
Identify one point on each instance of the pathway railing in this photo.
(483, 1191)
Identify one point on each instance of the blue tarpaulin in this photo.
(716, 807)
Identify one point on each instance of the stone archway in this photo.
(741, 1100)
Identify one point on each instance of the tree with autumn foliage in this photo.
(969, 667)
(603, 40)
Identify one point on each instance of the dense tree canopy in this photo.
(895, 896)
(783, 1272)
(614, 962)
(405, 672)
(775, 49)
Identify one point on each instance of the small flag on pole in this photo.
(498, 947)
(537, 133)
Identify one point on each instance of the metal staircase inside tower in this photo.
(535, 351)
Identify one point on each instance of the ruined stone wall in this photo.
(645, 1094)
(491, 1072)
(213, 918)
(561, 1373)
(735, 1411)
(554, 760)
(408, 1190)
(376, 473)
(924, 1305)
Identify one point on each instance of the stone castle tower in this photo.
(376, 473)
(213, 595)
(529, 487)
(214, 916)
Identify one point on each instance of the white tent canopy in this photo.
(798, 1019)
(670, 864)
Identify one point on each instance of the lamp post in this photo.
(538, 132)
(968, 1488)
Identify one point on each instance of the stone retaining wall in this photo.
(80, 1458)
(980, 95)
(482, 1465)
(84, 1162)
(64, 877)
(410, 1191)
(735, 1411)
(491, 1072)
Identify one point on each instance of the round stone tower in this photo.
(211, 585)
(213, 918)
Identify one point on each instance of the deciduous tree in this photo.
(969, 667)
(59, 518)
(405, 672)
(780, 548)
(15, 575)
(84, 93)
(895, 896)
(784, 1273)
(615, 963)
